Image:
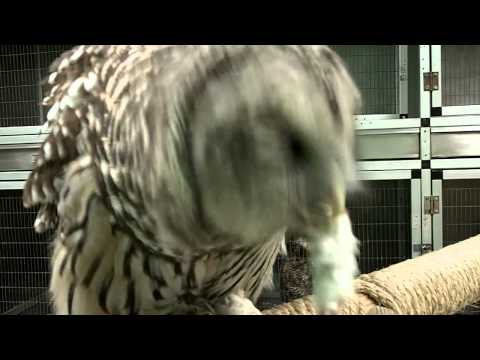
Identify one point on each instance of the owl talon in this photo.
(236, 304)
(334, 265)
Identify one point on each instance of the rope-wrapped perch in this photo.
(439, 283)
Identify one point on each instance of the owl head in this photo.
(272, 138)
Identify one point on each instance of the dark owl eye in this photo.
(297, 149)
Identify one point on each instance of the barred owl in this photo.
(171, 174)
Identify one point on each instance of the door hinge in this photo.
(430, 81)
(432, 205)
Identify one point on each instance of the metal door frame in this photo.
(22, 130)
(425, 96)
(440, 109)
(460, 120)
(386, 165)
(13, 180)
(387, 124)
(456, 163)
(401, 91)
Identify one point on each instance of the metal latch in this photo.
(34, 159)
(422, 248)
(426, 248)
(430, 81)
(432, 205)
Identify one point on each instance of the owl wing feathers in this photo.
(76, 80)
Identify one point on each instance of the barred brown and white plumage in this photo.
(172, 172)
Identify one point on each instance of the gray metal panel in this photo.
(17, 158)
(460, 144)
(388, 146)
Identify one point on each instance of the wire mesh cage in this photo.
(381, 220)
(24, 259)
(461, 216)
(461, 210)
(22, 69)
(375, 69)
(460, 75)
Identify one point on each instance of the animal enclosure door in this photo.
(458, 71)
(380, 72)
(24, 258)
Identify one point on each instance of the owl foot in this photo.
(334, 265)
(236, 304)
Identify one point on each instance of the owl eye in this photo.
(297, 149)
